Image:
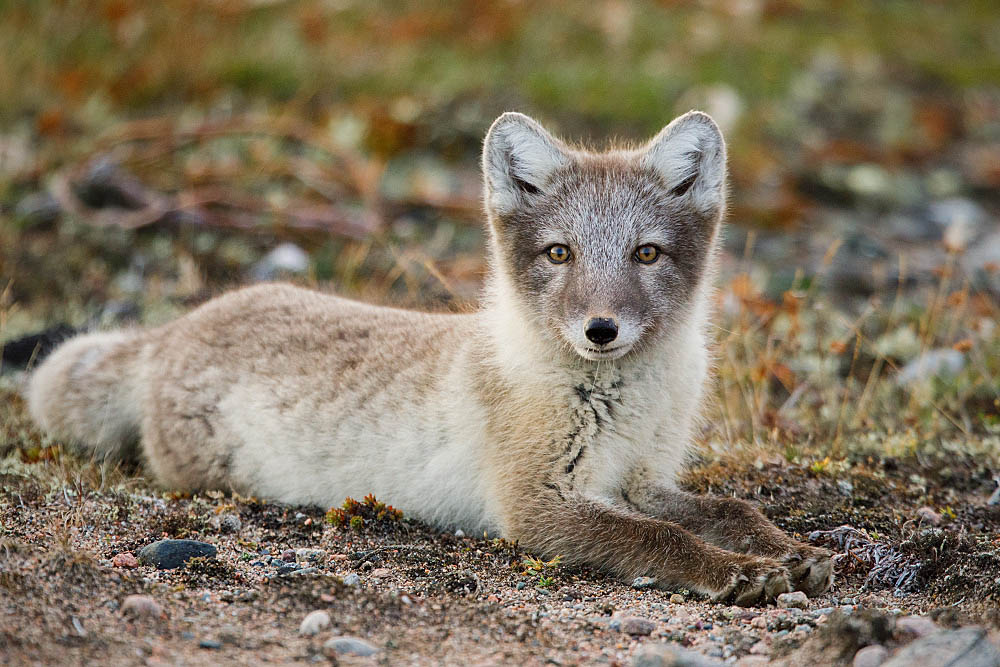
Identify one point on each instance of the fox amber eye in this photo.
(558, 254)
(647, 254)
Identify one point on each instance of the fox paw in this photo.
(757, 581)
(811, 569)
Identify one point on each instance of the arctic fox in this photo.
(557, 415)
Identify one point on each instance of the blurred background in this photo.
(153, 154)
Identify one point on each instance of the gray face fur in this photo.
(603, 207)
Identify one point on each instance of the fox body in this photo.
(558, 414)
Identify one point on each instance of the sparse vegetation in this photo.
(155, 154)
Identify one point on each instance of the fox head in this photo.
(603, 252)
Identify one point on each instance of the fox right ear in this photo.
(690, 156)
(518, 158)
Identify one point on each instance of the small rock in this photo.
(793, 600)
(284, 259)
(677, 598)
(125, 560)
(753, 661)
(170, 554)
(288, 556)
(228, 523)
(210, 644)
(314, 623)
(314, 556)
(288, 568)
(38, 209)
(520, 586)
(381, 573)
(668, 655)
(352, 579)
(141, 606)
(643, 583)
(870, 656)
(941, 362)
(634, 625)
(348, 646)
(928, 515)
(915, 626)
(965, 647)
(459, 533)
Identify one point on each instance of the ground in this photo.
(153, 155)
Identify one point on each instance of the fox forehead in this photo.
(607, 200)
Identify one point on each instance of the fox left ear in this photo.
(518, 158)
(690, 156)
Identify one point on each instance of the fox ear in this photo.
(518, 158)
(690, 156)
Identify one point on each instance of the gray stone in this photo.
(915, 626)
(348, 646)
(941, 362)
(314, 623)
(642, 583)
(965, 647)
(311, 556)
(794, 600)
(170, 554)
(634, 625)
(141, 606)
(210, 644)
(285, 259)
(352, 579)
(669, 655)
(870, 656)
(228, 523)
(38, 209)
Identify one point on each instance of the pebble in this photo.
(125, 560)
(928, 515)
(381, 573)
(314, 623)
(210, 644)
(943, 362)
(643, 583)
(229, 523)
(915, 626)
(677, 598)
(170, 554)
(284, 259)
(793, 600)
(314, 556)
(870, 656)
(634, 625)
(753, 661)
(38, 209)
(459, 533)
(965, 647)
(288, 568)
(141, 606)
(288, 556)
(352, 579)
(349, 646)
(668, 655)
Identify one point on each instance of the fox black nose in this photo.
(601, 330)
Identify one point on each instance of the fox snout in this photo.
(601, 330)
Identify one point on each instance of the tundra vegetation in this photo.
(155, 154)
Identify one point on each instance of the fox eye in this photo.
(558, 254)
(647, 254)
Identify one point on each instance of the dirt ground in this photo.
(424, 597)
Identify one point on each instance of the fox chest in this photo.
(609, 426)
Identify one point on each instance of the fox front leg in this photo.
(628, 544)
(735, 525)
